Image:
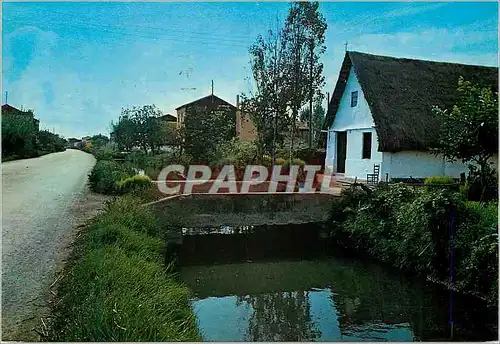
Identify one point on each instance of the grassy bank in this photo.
(412, 229)
(116, 286)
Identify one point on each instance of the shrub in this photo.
(439, 182)
(19, 134)
(104, 176)
(425, 221)
(387, 198)
(483, 185)
(236, 152)
(476, 248)
(137, 159)
(311, 156)
(298, 161)
(134, 183)
(281, 161)
(463, 190)
(266, 160)
(153, 164)
(410, 229)
(106, 152)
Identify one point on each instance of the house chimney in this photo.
(237, 101)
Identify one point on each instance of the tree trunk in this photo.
(292, 134)
(273, 145)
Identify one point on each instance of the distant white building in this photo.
(380, 114)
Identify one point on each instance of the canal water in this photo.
(292, 283)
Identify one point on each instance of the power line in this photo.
(85, 20)
(77, 22)
(156, 37)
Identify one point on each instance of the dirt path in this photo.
(44, 200)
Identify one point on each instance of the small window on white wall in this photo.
(367, 145)
(354, 98)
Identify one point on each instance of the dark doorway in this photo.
(341, 150)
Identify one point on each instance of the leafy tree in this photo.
(268, 106)
(318, 118)
(18, 134)
(48, 142)
(286, 72)
(263, 120)
(124, 132)
(99, 140)
(469, 132)
(205, 129)
(140, 126)
(170, 135)
(304, 37)
(147, 126)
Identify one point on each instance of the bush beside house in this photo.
(410, 228)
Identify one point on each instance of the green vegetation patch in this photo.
(106, 174)
(134, 183)
(116, 286)
(438, 182)
(409, 228)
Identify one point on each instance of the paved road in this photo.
(38, 200)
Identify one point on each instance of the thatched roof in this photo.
(401, 93)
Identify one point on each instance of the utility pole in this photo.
(311, 47)
(6, 97)
(212, 90)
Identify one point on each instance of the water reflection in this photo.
(323, 300)
(293, 290)
(283, 316)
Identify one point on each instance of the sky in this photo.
(78, 64)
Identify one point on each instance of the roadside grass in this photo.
(116, 285)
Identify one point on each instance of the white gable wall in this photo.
(356, 121)
(348, 117)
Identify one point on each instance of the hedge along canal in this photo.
(294, 283)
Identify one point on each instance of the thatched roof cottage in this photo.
(380, 114)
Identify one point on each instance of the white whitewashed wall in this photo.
(419, 165)
(355, 120)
